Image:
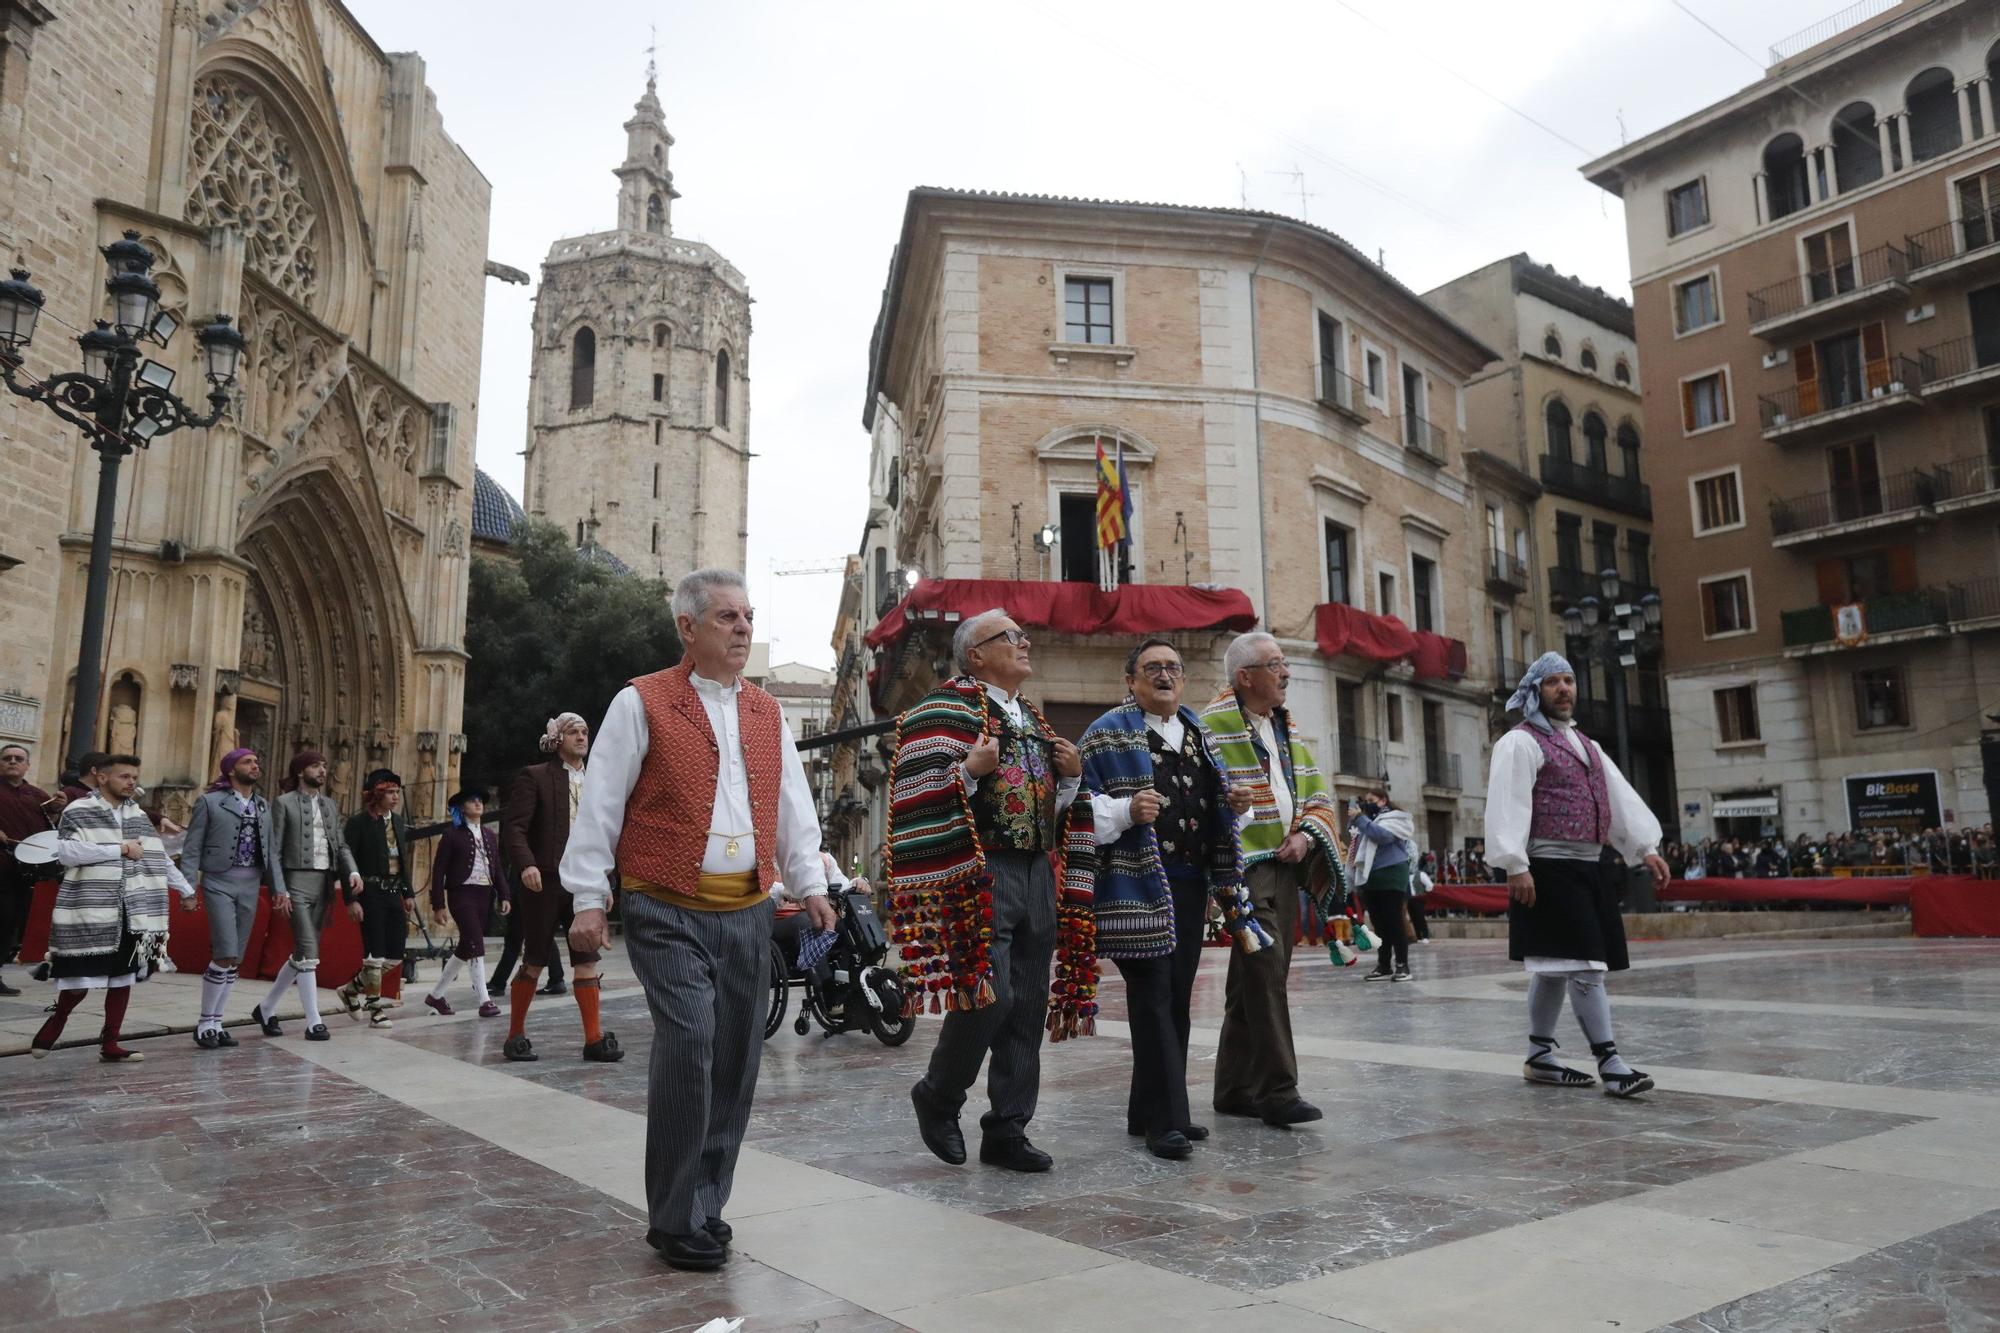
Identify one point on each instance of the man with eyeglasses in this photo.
(984, 791)
(1291, 841)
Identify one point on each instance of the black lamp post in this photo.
(120, 404)
(1616, 641)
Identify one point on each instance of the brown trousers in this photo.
(1256, 1068)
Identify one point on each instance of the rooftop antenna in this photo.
(1298, 178)
(1621, 126)
(652, 67)
(1242, 186)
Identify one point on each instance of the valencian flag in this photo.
(1114, 515)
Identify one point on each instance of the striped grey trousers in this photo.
(707, 981)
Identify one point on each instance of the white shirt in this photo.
(1266, 732)
(1010, 704)
(1510, 806)
(1111, 816)
(481, 872)
(318, 839)
(592, 852)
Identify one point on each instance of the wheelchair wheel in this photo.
(891, 1026)
(781, 994)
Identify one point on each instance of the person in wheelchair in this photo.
(788, 927)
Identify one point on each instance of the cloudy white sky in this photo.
(801, 126)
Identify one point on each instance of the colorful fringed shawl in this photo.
(1313, 810)
(940, 894)
(1135, 913)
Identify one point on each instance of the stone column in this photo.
(173, 107)
(1883, 129)
(1903, 138)
(1832, 169)
(1763, 197)
(1985, 85)
(1965, 112)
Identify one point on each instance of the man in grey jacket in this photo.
(231, 845)
(314, 853)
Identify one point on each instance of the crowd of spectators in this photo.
(1935, 851)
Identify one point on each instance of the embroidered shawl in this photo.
(96, 904)
(1313, 811)
(1135, 914)
(940, 895)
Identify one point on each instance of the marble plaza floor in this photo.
(1820, 1156)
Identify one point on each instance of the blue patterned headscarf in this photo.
(1527, 696)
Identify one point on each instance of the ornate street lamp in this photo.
(1613, 634)
(120, 405)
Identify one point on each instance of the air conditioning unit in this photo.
(1777, 358)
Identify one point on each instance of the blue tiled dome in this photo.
(594, 554)
(494, 512)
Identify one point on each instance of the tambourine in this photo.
(37, 849)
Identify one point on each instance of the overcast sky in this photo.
(801, 127)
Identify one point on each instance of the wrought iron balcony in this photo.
(1506, 573)
(1971, 362)
(1424, 439)
(1924, 608)
(1968, 483)
(1975, 599)
(1969, 242)
(1799, 411)
(1334, 388)
(1870, 278)
(1570, 586)
(1361, 757)
(1579, 481)
(1441, 769)
(1901, 498)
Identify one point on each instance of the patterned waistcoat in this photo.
(1014, 806)
(1572, 798)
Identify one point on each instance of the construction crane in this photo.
(793, 567)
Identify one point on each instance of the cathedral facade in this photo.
(295, 575)
(638, 401)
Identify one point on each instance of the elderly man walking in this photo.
(984, 791)
(1554, 802)
(1291, 841)
(696, 799)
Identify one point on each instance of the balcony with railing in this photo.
(1872, 278)
(1955, 250)
(1960, 365)
(1906, 497)
(1338, 391)
(1509, 672)
(1361, 757)
(1441, 770)
(1592, 485)
(1645, 722)
(1968, 483)
(1975, 602)
(1921, 613)
(1506, 575)
(1424, 439)
(1569, 586)
(1834, 403)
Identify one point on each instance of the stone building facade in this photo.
(1816, 294)
(639, 393)
(1291, 419)
(1555, 429)
(297, 574)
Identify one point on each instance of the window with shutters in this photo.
(1705, 401)
(1339, 562)
(1687, 206)
(1697, 303)
(1864, 574)
(1725, 605)
(1594, 434)
(1423, 593)
(1881, 699)
(1736, 715)
(1569, 541)
(1718, 501)
(1829, 261)
(1639, 547)
(1604, 547)
(1978, 199)
(1854, 476)
(1395, 716)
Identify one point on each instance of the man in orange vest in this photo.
(695, 800)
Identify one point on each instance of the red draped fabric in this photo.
(1072, 608)
(1338, 629)
(1956, 905)
(1883, 892)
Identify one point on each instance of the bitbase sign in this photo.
(1901, 801)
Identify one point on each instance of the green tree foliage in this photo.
(549, 632)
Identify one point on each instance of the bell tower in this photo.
(646, 191)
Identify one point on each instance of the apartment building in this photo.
(1554, 456)
(1816, 297)
(1290, 418)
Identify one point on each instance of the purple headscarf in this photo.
(229, 762)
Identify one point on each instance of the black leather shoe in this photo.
(605, 1049)
(318, 1032)
(553, 988)
(208, 1041)
(1194, 1133)
(1297, 1111)
(721, 1230)
(697, 1251)
(519, 1048)
(40, 972)
(1172, 1145)
(940, 1132)
(270, 1025)
(1015, 1155)
(223, 1037)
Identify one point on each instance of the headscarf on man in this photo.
(377, 783)
(552, 735)
(1527, 696)
(229, 763)
(301, 761)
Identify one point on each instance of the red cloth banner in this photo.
(1339, 628)
(1073, 608)
(1944, 905)
(1489, 898)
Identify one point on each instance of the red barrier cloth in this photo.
(1956, 905)
(1438, 657)
(1073, 608)
(1339, 628)
(1467, 898)
(1885, 891)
